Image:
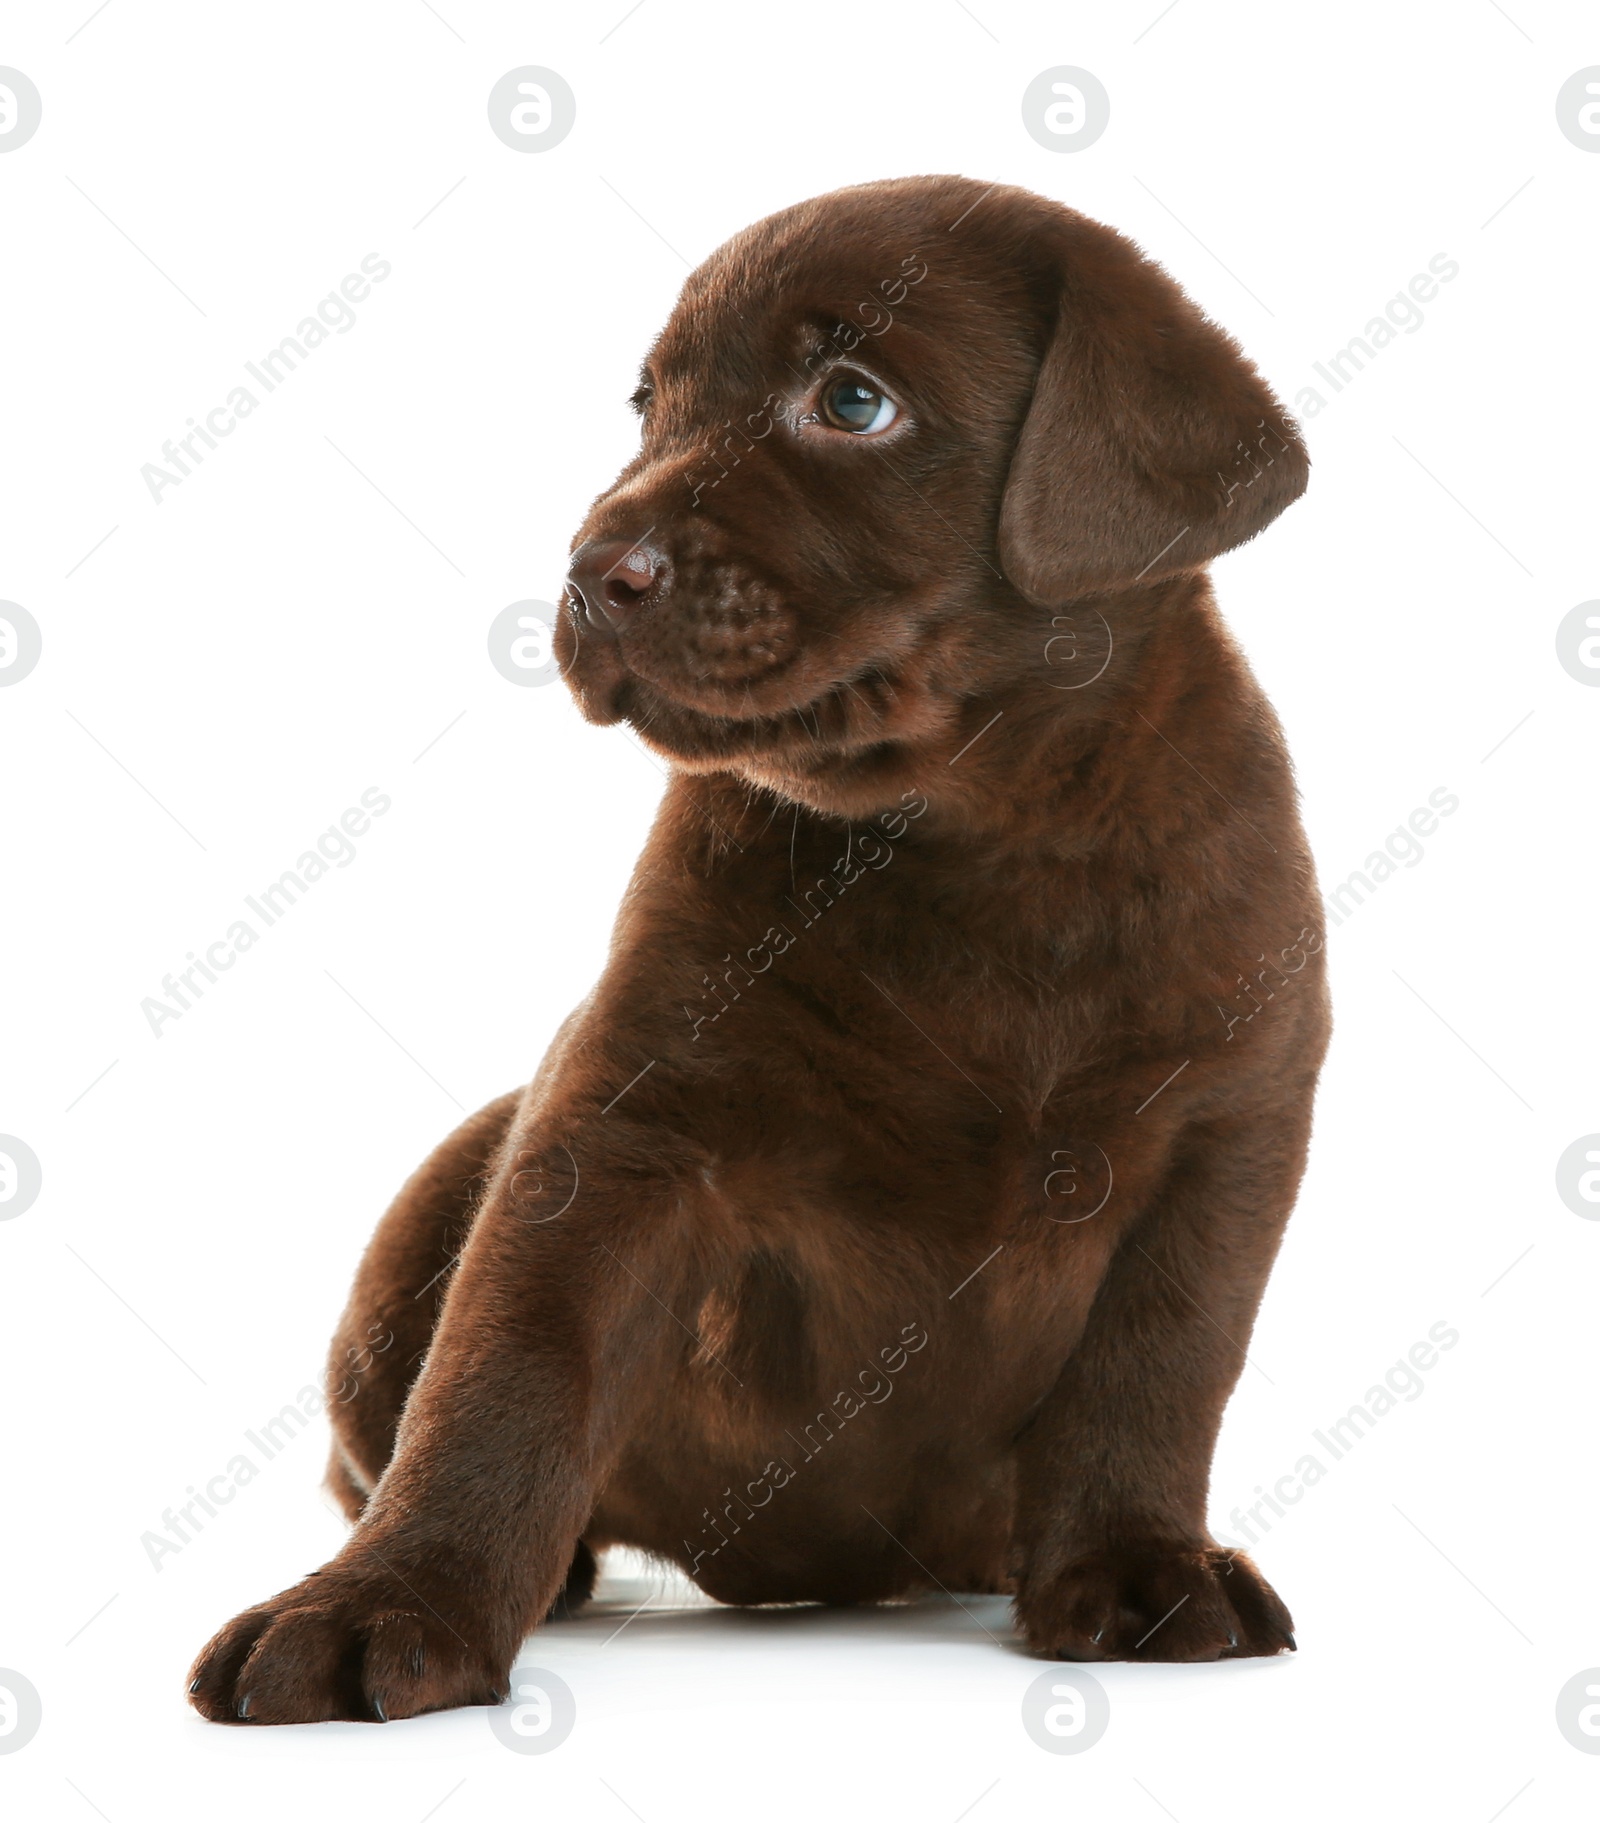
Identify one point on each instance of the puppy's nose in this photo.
(611, 577)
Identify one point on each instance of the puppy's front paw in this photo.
(1176, 1603)
(345, 1645)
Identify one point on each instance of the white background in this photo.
(276, 636)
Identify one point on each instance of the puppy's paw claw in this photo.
(344, 1647)
(1175, 1603)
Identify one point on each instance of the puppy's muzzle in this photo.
(613, 578)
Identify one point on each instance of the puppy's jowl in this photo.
(894, 1213)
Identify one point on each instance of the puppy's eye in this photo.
(855, 404)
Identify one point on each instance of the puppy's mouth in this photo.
(855, 712)
(799, 710)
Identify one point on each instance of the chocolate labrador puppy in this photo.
(893, 1214)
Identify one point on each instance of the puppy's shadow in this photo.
(649, 1602)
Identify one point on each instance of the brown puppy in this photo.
(894, 1213)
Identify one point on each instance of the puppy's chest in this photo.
(880, 1077)
(1019, 987)
(937, 1009)
(902, 1021)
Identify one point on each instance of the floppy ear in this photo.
(1151, 445)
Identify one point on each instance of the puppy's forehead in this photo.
(863, 257)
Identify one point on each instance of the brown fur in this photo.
(894, 1213)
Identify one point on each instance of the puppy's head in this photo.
(885, 434)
